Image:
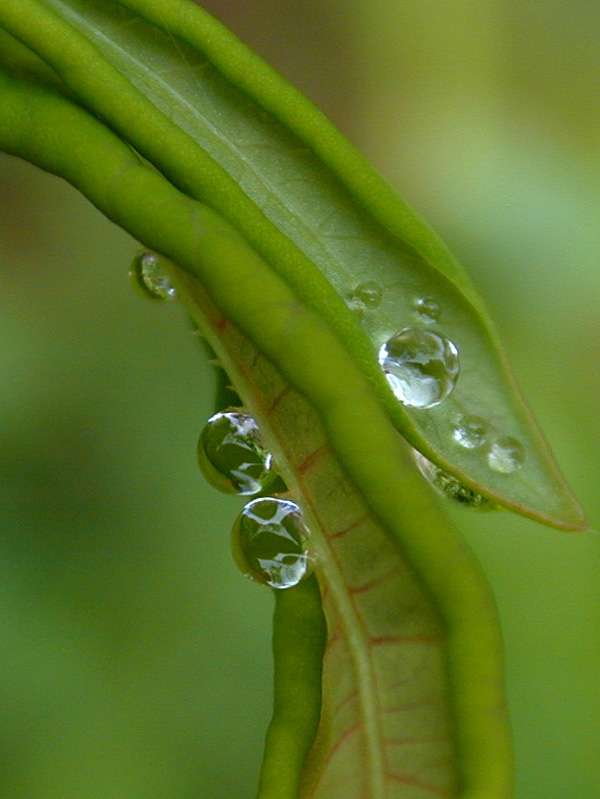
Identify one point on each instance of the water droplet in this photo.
(147, 275)
(366, 296)
(449, 486)
(421, 366)
(231, 455)
(506, 455)
(470, 432)
(427, 308)
(269, 542)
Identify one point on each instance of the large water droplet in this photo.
(506, 455)
(470, 432)
(366, 296)
(231, 455)
(421, 366)
(449, 486)
(427, 308)
(269, 542)
(147, 275)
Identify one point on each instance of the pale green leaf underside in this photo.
(270, 183)
(386, 727)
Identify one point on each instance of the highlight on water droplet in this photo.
(427, 308)
(147, 275)
(269, 543)
(506, 455)
(421, 366)
(449, 486)
(231, 455)
(470, 432)
(366, 296)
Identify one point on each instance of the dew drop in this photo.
(470, 432)
(449, 486)
(366, 296)
(421, 366)
(231, 455)
(148, 276)
(427, 308)
(269, 542)
(506, 455)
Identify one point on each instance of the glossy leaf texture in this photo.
(226, 130)
(413, 637)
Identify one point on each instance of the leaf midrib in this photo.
(358, 645)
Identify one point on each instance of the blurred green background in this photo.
(135, 659)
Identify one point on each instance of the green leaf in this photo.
(225, 129)
(430, 627)
(275, 222)
(412, 704)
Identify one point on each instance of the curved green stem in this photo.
(299, 636)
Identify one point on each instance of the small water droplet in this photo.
(366, 296)
(449, 486)
(470, 432)
(421, 366)
(269, 542)
(506, 455)
(427, 308)
(231, 455)
(147, 275)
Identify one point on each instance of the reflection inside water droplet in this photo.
(427, 308)
(269, 542)
(470, 432)
(421, 366)
(506, 455)
(449, 486)
(366, 296)
(147, 274)
(231, 455)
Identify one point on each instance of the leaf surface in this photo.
(228, 131)
(386, 721)
(291, 222)
(387, 655)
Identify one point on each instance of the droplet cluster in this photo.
(269, 537)
(422, 367)
(504, 454)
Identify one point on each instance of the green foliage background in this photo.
(134, 659)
